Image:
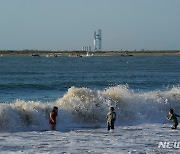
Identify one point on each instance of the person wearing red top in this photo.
(52, 118)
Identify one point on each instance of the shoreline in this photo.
(95, 53)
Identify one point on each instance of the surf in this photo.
(86, 107)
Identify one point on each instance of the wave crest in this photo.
(89, 107)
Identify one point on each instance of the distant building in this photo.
(86, 48)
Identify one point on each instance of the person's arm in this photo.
(51, 117)
(169, 118)
(107, 115)
(114, 116)
(177, 115)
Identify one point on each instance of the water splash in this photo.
(89, 107)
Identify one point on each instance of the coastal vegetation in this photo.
(99, 53)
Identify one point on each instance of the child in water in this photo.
(111, 117)
(52, 118)
(173, 118)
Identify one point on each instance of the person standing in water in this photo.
(173, 118)
(111, 117)
(52, 118)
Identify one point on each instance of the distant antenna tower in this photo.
(97, 40)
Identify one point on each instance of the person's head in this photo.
(55, 109)
(111, 109)
(171, 111)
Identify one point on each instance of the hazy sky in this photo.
(70, 24)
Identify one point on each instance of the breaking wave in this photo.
(88, 107)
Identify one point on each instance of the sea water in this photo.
(141, 88)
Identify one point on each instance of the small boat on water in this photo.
(77, 55)
(126, 54)
(35, 55)
(74, 55)
(52, 55)
(88, 55)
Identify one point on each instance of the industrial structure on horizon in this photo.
(97, 42)
(86, 48)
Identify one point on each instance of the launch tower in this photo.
(97, 40)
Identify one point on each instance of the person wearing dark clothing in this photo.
(111, 117)
(173, 118)
(52, 118)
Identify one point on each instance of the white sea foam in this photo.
(144, 138)
(88, 107)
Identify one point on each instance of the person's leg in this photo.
(175, 125)
(53, 127)
(112, 124)
(108, 126)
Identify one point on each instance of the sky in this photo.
(70, 24)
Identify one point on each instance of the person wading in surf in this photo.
(111, 117)
(173, 118)
(52, 118)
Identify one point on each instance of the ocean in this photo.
(141, 88)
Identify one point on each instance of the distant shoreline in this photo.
(95, 53)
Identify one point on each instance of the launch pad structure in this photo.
(97, 40)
